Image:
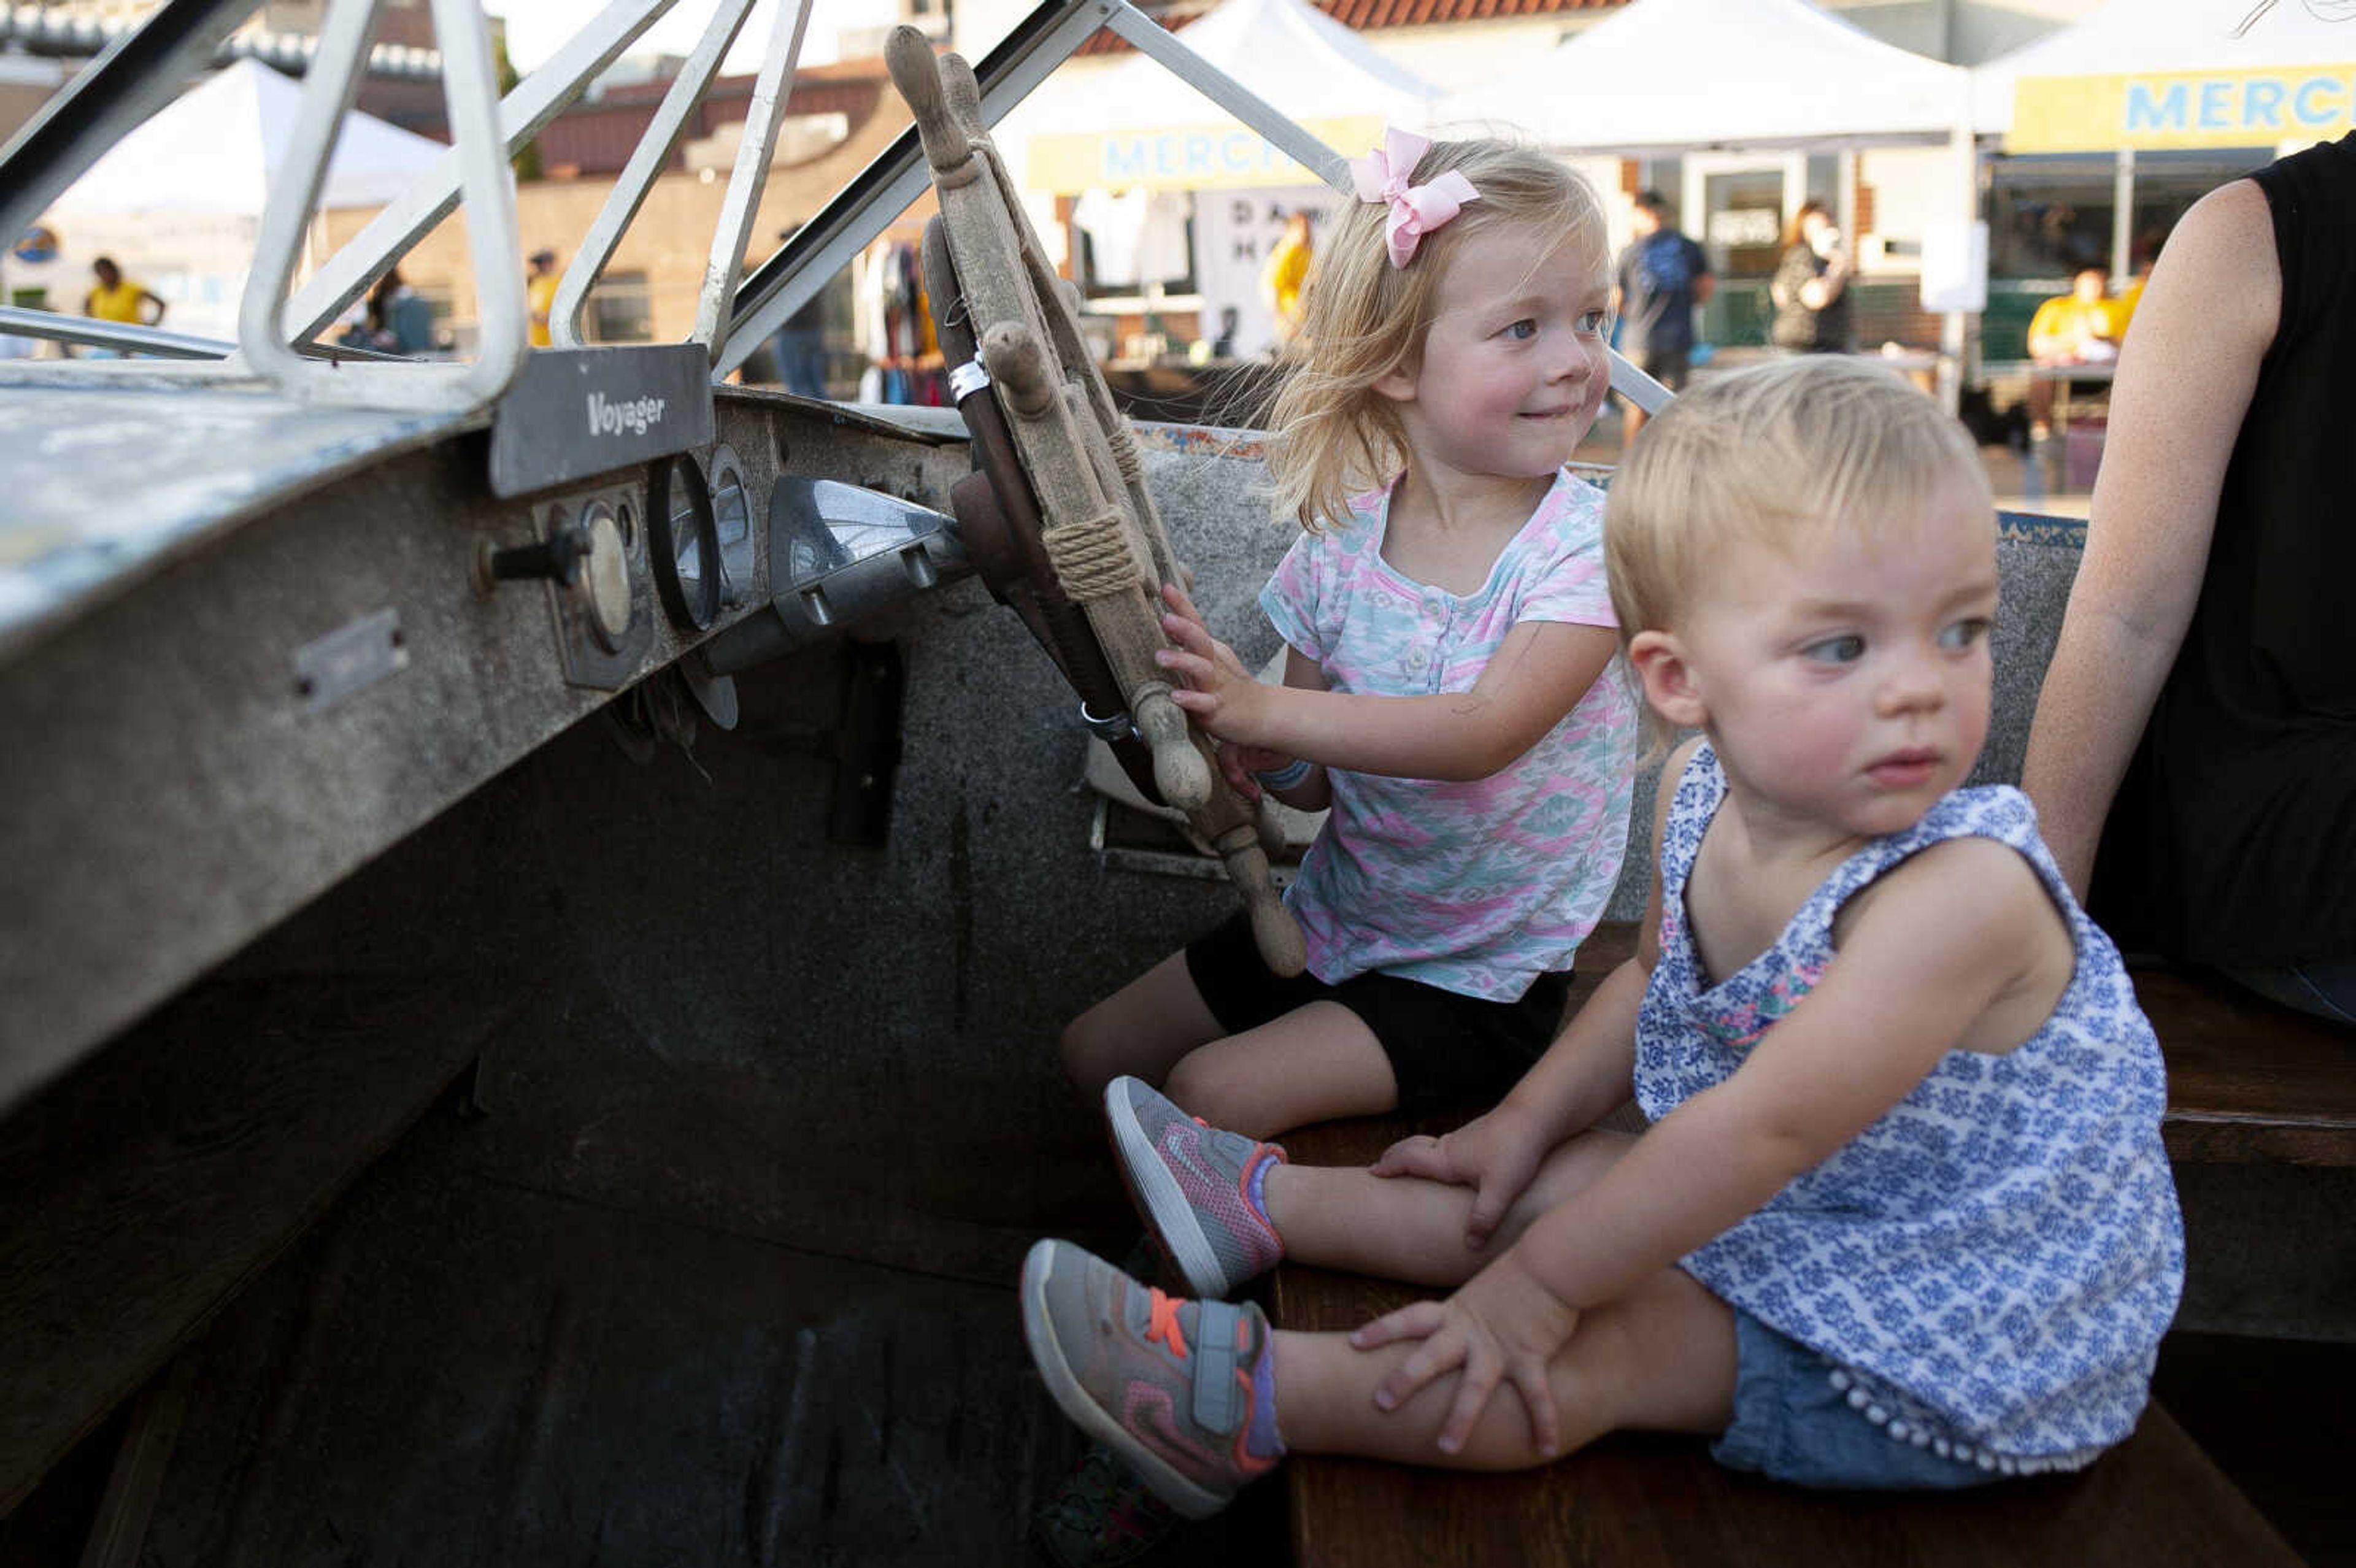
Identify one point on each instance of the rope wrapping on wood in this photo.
(1092, 558)
(1125, 453)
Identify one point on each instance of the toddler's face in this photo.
(1848, 684)
(1514, 366)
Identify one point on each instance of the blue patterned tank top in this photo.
(1988, 1267)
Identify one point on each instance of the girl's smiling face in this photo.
(1514, 366)
(1845, 683)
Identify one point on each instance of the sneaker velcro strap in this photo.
(1218, 1404)
(1233, 1149)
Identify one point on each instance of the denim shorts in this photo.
(1791, 1424)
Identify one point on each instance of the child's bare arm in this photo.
(1238, 760)
(1315, 791)
(1949, 933)
(1538, 674)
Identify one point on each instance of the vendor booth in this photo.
(2110, 128)
(1694, 74)
(1744, 109)
(1177, 205)
(177, 201)
(2149, 75)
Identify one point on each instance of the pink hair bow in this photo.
(1383, 174)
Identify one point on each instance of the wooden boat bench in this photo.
(2248, 1081)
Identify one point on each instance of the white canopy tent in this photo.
(1666, 75)
(178, 201)
(1137, 124)
(219, 145)
(1133, 137)
(2177, 73)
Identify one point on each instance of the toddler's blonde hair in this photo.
(1786, 453)
(1332, 434)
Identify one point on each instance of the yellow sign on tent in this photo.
(1208, 156)
(2182, 109)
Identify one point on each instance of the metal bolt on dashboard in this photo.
(558, 559)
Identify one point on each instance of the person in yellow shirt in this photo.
(2080, 327)
(117, 298)
(540, 292)
(1286, 271)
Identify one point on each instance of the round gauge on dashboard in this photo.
(684, 541)
(732, 517)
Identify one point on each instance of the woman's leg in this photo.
(1661, 1358)
(1141, 1030)
(1405, 1228)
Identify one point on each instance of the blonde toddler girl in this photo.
(1445, 692)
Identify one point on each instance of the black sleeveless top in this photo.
(2234, 837)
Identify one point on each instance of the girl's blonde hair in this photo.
(1788, 452)
(1335, 436)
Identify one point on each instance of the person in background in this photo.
(399, 319)
(1285, 276)
(1810, 288)
(540, 295)
(117, 298)
(800, 343)
(2085, 326)
(1660, 279)
(2193, 752)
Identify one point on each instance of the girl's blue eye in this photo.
(1524, 328)
(1963, 634)
(1591, 322)
(1847, 649)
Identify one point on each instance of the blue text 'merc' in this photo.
(2261, 104)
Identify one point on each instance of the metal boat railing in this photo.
(141, 71)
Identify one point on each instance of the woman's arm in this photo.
(2184, 382)
(1829, 280)
(1539, 673)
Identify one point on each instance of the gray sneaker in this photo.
(1193, 1183)
(1184, 1392)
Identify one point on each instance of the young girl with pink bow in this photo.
(1446, 691)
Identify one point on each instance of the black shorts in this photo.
(1447, 1050)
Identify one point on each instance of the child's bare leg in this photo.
(1405, 1228)
(1661, 1358)
(1141, 1030)
(1314, 1064)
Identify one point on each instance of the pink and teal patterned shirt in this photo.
(1475, 887)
